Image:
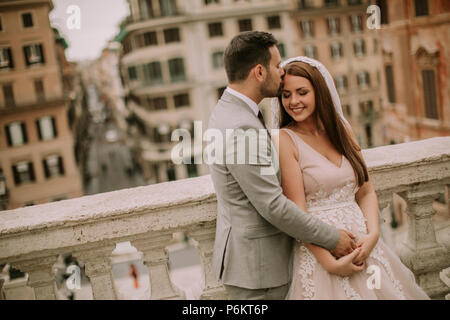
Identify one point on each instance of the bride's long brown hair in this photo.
(328, 116)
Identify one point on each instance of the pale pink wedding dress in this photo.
(330, 196)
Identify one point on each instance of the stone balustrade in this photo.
(31, 238)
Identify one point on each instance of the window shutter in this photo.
(31, 170)
(24, 132)
(26, 54)
(54, 127)
(41, 51)
(8, 136)
(61, 165)
(46, 171)
(38, 125)
(10, 57)
(16, 175)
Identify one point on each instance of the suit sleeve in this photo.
(265, 193)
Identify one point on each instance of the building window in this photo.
(421, 7)
(146, 9)
(383, 11)
(359, 47)
(181, 100)
(6, 60)
(153, 73)
(245, 25)
(207, 2)
(172, 35)
(282, 50)
(273, 22)
(356, 23)
(8, 95)
(46, 127)
(306, 4)
(363, 80)
(310, 51)
(53, 166)
(390, 83)
(354, 2)
(217, 59)
(341, 83)
(23, 172)
(430, 94)
(334, 27)
(215, 29)
(126, 46)
(167, 7)
(336, 50)
(368, 129)
(16, 134)
(146, 39)
(348, 110)
(39, 90)
(132, 73)
(33, 54)
(331, 3)
(27, 20)
(176, 69)
(307, 28)
(156, 103)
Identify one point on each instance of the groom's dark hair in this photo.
(245, 51)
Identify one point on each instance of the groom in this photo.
(256, 223)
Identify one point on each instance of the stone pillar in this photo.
(211, 289)
(155, 258)
(421, 252)
(98, 268)
(41, 276)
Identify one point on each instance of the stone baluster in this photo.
(155, 258)
(210, 288)
(421, 252)
(384, 202)
(41, 276)
(98, 268)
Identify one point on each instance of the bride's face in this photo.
(298, 97)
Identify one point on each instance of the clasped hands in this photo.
(351, 254)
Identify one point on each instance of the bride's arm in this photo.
(293, 189)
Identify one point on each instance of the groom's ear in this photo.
(259, 72)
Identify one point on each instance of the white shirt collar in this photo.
(252, 104)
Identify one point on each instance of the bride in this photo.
(324, 173)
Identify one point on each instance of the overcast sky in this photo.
(99, 20)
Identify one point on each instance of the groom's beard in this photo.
(269, 90)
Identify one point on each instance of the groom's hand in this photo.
(345, 245)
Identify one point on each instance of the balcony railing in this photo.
(89, 228)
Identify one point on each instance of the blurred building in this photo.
(415, 43)
(172, 67)
(108, 83)
(335, 33)
(36, 144)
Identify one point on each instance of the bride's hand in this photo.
(366, 243)
(344, 266)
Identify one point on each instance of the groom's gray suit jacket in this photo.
(256, 223)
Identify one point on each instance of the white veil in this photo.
(275, 106)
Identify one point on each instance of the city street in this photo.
(110, 165)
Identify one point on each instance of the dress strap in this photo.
(294, 138)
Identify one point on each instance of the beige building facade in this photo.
(415, 43)
(36, 144)
(172, 65)
(336, 34)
